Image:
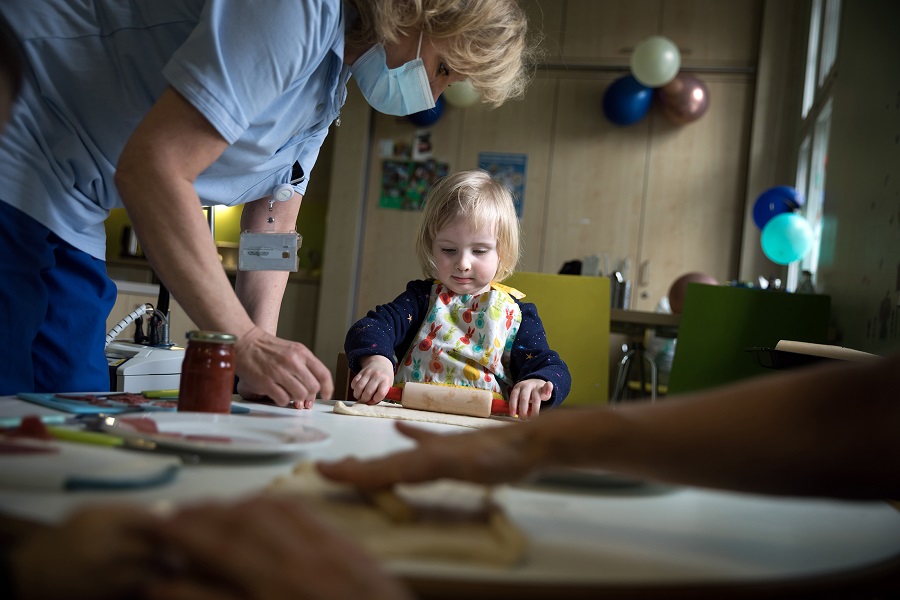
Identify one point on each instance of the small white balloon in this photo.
(461, 94)
(655, 61)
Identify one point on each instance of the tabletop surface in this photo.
(636, 322)
(588, 535)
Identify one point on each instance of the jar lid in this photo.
(211, 336)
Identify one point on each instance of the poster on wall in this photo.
(405, 183)
(422, 147)
(509, 169)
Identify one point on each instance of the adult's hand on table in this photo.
(281, 370)
(266, 549)
(495, 455)
(99, 552)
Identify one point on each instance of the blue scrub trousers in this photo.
(54, 300)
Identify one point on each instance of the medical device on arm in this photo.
(271, 251)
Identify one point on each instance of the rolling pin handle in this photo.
(499, 406)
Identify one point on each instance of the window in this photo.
(812, 158)
(812, 51)
(828, 54)
(815, 198)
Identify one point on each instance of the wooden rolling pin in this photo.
(449, 399)
(824, 351)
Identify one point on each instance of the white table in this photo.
(645, 539)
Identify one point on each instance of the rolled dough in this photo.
(444, 521)
(388, 410)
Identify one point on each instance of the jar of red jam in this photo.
(207, 373)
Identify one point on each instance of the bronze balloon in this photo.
(684, 99)
(679, 287)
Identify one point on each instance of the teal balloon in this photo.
(786, 237)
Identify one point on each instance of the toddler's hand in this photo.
(526, 397)
(371, 384)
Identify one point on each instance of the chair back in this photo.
(719, 325)
(575, 312)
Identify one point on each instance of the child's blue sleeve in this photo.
(389, 329)
(532, 358)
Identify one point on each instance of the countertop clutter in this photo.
(137, 285)
(587, 533)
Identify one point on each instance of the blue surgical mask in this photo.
(401, 91)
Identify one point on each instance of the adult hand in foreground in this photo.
(265, 548)
(96, 554)
(494, 455)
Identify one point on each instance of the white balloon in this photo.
(655, 61)
(461, 94)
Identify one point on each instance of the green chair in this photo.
(575, 312)
(719, 326)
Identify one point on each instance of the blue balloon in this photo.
(775, 201)
(786, 237)
(626, 101)
(427, 118)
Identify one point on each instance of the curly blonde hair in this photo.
(475, 196)
(486, 41)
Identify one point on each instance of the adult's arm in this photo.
(262, 547)
(266, 548)
(261, 292)
(97, 553)
(155, 176)
(828, 430)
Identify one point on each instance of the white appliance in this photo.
(136, 367)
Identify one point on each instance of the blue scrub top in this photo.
(267, 74)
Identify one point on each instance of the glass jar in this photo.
(207, 373)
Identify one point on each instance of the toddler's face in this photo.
(466, 258)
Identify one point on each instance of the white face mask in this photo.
(401, 91)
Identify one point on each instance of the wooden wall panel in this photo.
(713, 33)
(388, 259)
(695, 195)
(603, 31)
(708, 32)
(545, 19)
(346, 219)
(597, 173)
(524, 127)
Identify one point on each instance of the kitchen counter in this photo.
(141, 267)
(138, 284)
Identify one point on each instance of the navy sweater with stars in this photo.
(390, 329)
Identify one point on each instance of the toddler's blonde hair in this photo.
(482, 201)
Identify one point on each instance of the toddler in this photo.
(459, 326)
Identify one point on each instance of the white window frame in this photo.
(812, 157)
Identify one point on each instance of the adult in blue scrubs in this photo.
(163, 106)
